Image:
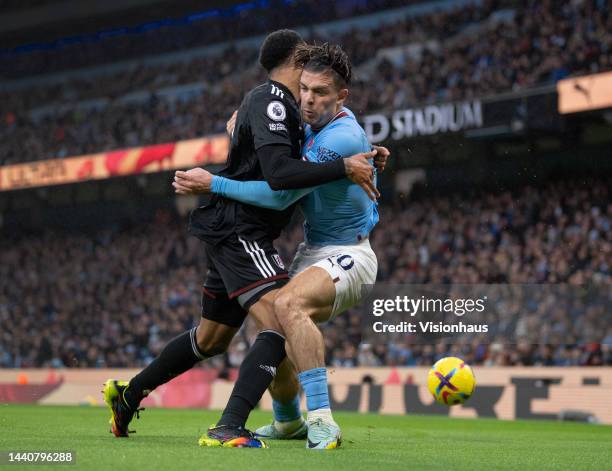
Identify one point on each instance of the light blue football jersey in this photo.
(339, 212)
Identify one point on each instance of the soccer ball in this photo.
(451, 381)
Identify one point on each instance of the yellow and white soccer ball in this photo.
(451, 381)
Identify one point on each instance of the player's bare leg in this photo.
(308, 298)
(285, 385)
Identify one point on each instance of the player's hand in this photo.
(360, 171)
(192, 182)
(380, 160)
(231, 124)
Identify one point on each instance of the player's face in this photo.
(320, 98)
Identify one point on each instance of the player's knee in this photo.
(285, 302)
(289, 308)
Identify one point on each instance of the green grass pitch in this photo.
(167, 439)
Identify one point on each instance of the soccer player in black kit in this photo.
(244, 268)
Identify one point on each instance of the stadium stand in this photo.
(473, 50)
(114, 298)
(182, 79)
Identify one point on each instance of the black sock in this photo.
(256, 373)
(178, 356)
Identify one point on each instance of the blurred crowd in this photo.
(201, 28)
(544, 42)
(558, 234)
(115, 297)
(470, 51)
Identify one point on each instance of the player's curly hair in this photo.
(326, 57)
(278, 48)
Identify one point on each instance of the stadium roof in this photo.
(47, 21)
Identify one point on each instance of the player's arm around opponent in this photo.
(329, 281)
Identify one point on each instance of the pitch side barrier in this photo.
(502, 393)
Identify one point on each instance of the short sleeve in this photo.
(268, 118)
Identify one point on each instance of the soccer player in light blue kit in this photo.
(335, 259)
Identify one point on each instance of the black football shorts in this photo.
(240, 272)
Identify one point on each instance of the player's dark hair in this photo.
(278, 48)
(326, 57)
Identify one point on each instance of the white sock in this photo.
(324, 414)
(287, 428)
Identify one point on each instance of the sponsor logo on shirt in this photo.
(326, 155)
